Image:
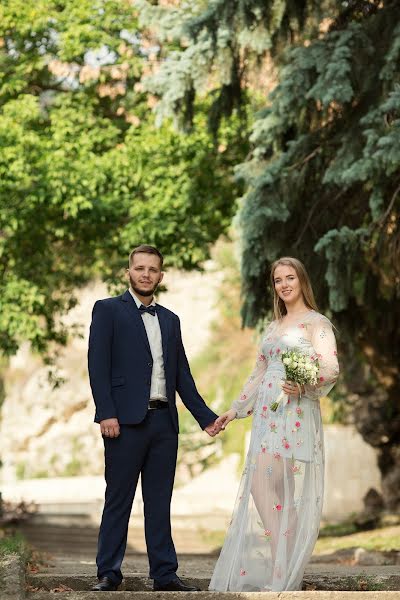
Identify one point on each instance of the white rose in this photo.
(286, 361)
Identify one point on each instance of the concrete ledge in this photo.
(12, 577)
(339, 579)
(219, 595)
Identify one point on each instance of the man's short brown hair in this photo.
(147, 250)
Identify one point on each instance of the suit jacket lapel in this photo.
(164, 321)
(133, 310)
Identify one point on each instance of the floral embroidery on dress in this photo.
(279, 490)
(267, 534)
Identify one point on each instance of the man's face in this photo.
(145, 273)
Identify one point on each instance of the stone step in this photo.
(340, 578)
(322, 595)
(76, 540)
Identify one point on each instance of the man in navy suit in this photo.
(137, 362)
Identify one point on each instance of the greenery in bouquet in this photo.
(300, 368)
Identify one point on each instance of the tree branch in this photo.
(389, 208)
(304, 160)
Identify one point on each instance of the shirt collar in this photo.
(139, 302)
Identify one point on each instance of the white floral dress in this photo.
(277, 514)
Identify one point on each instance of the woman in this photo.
(277, 514)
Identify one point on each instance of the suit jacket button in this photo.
(150, 364)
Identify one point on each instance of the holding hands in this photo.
(220, 424)
(110, 427)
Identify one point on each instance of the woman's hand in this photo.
(292, 389)
(225, 418)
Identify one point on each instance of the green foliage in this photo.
(323, 176)
(84, 173)
(323, 185)
(15, 544)
(226, 39)
(329, 155)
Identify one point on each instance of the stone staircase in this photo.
(76, 534)
(68, 547)
(73, 577)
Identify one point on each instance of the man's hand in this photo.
(109, 428)
(224, 419)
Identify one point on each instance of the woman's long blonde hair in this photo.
(305, 283)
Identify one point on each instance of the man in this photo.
(137, 362)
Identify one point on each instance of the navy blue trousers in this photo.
(148, 449)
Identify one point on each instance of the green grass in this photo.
(363, 583)
(14, 544)
(347, 527)
(382, 539)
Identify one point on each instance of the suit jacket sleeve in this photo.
(99, 360)
(187, 390)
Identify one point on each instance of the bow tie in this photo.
(149, 309)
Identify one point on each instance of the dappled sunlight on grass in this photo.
(383, 539)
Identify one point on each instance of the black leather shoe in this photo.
(105, 585)
(175, 585)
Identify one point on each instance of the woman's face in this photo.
(287, 284)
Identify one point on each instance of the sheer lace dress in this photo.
(276, 518)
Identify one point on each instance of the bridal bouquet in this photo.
(299, 368)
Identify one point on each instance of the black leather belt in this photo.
(157, 404)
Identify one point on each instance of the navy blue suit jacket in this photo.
(120, 364)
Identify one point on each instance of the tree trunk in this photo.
(377, 418)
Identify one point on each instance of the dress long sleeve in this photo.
(324, 344)
(248, 396)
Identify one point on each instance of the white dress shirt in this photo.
(158, 389)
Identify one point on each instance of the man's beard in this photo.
(144, 293)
